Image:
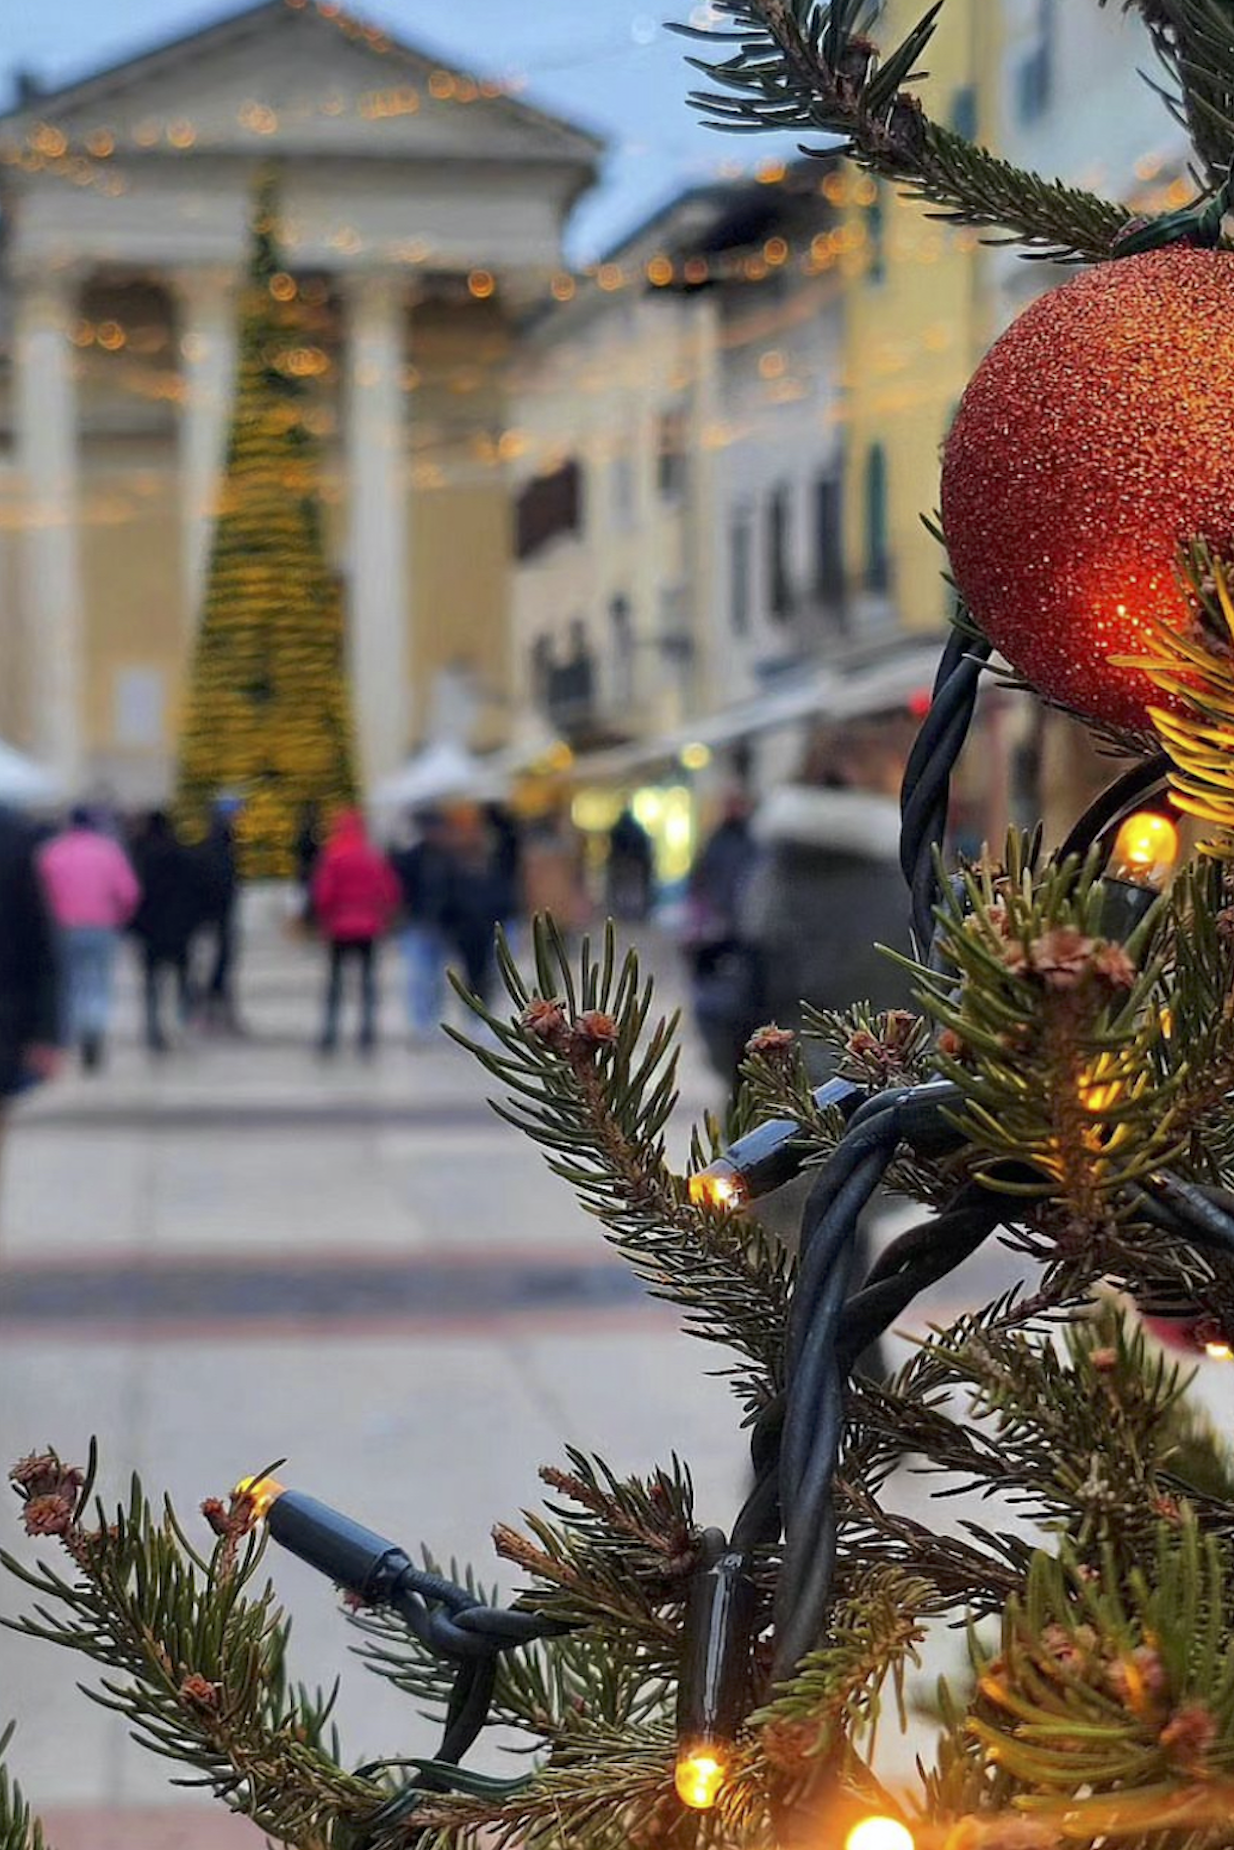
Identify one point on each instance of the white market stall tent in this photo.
(24, 783)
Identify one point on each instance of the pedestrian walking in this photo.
(723, 964)
(425, 873)
(631, 869)
(173, 904)
(355, 897)
(478, 899)
(308, 853)
(30, 1030)
(220, 898)
(554, 877)
(93, 893)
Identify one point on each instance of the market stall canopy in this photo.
(23, 781)
(437, 774)
(826, 693)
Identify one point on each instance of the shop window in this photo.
(139, 703)
(621, 491)
(741, 548)
(621, 636)
(829, 538)
(964, 113)
(779, 540)
(547, 508)
(1034, 78)
(671, 460)
(877, 565)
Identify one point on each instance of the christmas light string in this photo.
(833, 1318)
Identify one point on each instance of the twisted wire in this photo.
(926, 790)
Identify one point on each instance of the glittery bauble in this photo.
(1096, 437)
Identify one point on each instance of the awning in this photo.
(824, 693)
(437, 774)
(24, 781)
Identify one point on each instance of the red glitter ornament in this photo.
(1202, 1336)
(1096, 437)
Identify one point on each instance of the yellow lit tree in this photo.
(267, 715)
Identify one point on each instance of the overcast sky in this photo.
(608, 63)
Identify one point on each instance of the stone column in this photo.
(378, 561)
(208, 337)
(45, 422)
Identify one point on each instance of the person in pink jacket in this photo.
(355, 897)
(93, 893)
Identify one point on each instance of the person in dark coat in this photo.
(220, 899)
(308, 853)
(174, 900)
(631, 868)
(478, 898)
(30, 991)
(425, 873)
(722, 964)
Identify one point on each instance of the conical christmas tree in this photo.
(267, 714)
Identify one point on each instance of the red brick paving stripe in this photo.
(150, 1828)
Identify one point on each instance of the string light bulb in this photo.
(261, 1492)
(1142, 860)
(719, 1186)
(357, 1559)
(1145, 850)
(717, 1641)
(701, 1773)
(880, 1833)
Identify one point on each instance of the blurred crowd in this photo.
(786, 899)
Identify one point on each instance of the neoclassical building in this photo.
(423, 213)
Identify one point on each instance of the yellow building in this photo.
(918, 316)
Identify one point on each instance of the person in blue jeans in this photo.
(426, 875)
(93, 893)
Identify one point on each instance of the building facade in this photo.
(918, 317)
(422, 215)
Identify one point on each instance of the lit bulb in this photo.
(879, 1834)
(262, 1493)
(718, 1186)
(1145, 850)
(700, 1774)
(1219, 1352)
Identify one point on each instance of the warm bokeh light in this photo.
(700, 1775)
(718, 1186)
(879, 1834)
(261, 1492)
(1219, 1352)
(696, 757)
(1145, 849)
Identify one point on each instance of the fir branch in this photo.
(19, 1828)
(808, 65)
(593, 1082)
(1051, 1037)
(603, 1788)
(834, 1701)
(620, 1554)
(194, 1663)
(1111, 1703)
(1194, 40)
(1195, 665)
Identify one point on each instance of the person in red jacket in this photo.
(355, 896)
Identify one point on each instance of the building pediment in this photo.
(294, 79)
